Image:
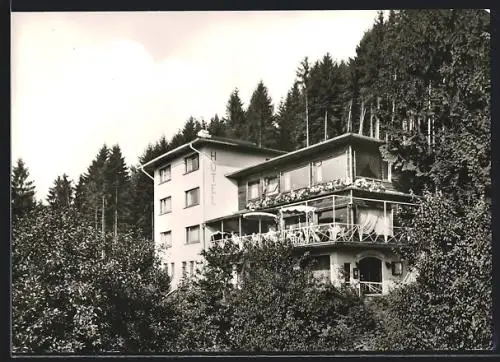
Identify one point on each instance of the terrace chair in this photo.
(272, 236)
(334, 232)
(313, 234)
(301, 237)
(237, 240)
(255, 239)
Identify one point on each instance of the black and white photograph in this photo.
(251, 182)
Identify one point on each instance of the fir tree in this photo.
(290, 120)
(22, 190)
(236, 119)
(118, 196)
(217, 127)
(261, 124)
(61, 194)
(303, 77)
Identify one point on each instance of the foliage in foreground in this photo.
(74, 292)
(277, 306)
(449, 305)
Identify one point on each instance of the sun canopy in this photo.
(220, 232)
(298, 208)
(259, 215)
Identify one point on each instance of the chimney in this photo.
(204, 134)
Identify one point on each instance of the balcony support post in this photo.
(333, 208)
(386, 228)
(260, 229)
(222, 226)
(239, 226)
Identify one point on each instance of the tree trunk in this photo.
(377, 120)
(307, 121)
(326, 129)
(95, 216)
(371, 120)
(361, 117)
(102, 218)
(393, 112)
(349, 121)
(429, 118)
(116, 213)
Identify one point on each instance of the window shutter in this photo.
(242, 195)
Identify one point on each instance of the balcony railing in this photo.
(370, 288)
(325, 233)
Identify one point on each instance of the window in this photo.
(253, 190)
(193, 197)
(295, 179)
(172, 270)
(330, 169)
(192, 234)
(191, 268)
(397, 268)
(192, 163)
(271, 185)
(165, 174)
(166, 238)
(320, 266)
(183, 269)
(166, 205)
(347, 272)
(341, 215)
(371, 165)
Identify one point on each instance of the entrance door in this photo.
(370, 275)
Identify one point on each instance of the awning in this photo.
(258, 215)
(298, 208)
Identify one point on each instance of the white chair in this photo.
(334, 231)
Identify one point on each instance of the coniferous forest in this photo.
(85, 277)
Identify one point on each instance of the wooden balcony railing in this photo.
(326, 233)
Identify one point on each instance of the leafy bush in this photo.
(449, 305)
(75, 292)
(276, 306)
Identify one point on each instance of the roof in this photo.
(213, 140)
(346, 138)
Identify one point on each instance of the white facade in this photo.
(218, 196)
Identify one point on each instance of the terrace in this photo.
(317, 222)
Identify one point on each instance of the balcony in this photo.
(321, 234)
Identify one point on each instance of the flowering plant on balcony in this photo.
(301, 194)
(371, 186)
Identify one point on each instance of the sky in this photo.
(82, 79)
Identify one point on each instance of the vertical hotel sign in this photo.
(213, 169)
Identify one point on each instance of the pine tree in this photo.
(325, 97)
(190, 130)
(142, 187)
(303, 77)
(290, 120)
(94, 189)
(217, 127)
(261, 125)
(118, 196)
(236, 119)
(22, 190)
(440, 92)
(61, 194)
(79, 198)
